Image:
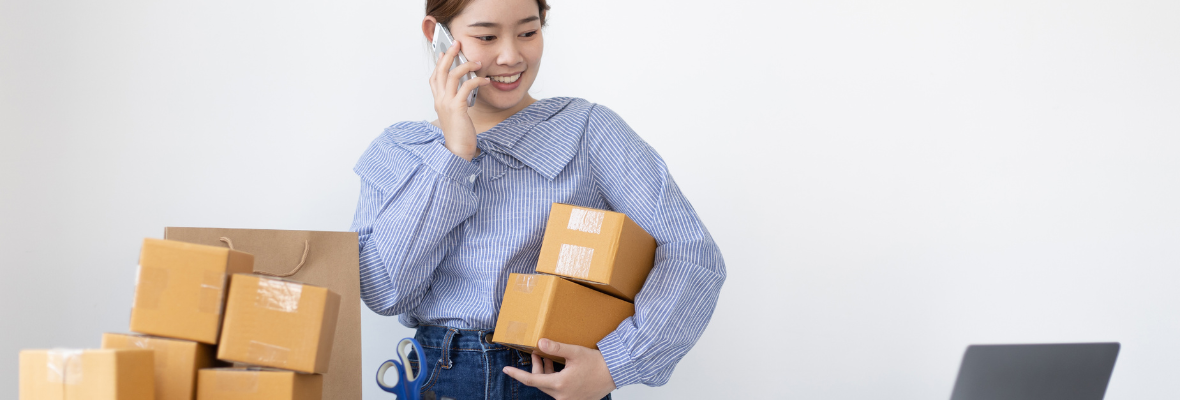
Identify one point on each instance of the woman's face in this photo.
(504, 35)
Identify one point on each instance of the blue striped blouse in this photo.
(439, 234)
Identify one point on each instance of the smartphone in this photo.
(443, 41)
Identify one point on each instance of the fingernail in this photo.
(478, 63)
(544, 344)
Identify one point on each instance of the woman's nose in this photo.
(509, 54)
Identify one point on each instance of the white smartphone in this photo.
(443, 41)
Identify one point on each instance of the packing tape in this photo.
(278, 295)
(516, 329)
(524, 283)
(574, 261)
(135, 288)
(589, 221)
(236, 381)
(266, 354)
(64, 366)
(150, 286)
(212, 285)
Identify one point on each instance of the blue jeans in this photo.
(462, 364)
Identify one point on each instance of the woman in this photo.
(449, 208)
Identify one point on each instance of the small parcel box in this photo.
(258, 384)
(546, 306)
(601, 249)
(176, 361)
(62, 374)
(180, 289)
(278, 323)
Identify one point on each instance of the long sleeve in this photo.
(678, 298)
(414, 193)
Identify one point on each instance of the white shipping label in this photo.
(583, 220)
(574, 261)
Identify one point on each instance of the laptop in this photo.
(1066, 371)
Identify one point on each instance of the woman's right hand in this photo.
(450, 102)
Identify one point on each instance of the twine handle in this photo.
(302, 260)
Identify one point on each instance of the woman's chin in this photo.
(500, 101)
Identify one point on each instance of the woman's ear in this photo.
(428, 27)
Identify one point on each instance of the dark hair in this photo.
(446, 10)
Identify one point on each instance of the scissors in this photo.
(409, 383)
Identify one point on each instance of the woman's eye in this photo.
(486, 38)
(529, 34)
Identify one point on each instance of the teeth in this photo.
(506, 79)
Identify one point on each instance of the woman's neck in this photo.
(485, 118)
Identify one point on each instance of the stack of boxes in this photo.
(187, 328)
(592, 264)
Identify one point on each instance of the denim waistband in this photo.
(435, 337)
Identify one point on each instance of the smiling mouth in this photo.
(506, 79)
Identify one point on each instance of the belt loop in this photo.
(445, 360)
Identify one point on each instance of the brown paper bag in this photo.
(328, 259)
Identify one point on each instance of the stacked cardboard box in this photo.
(86, 374)
(592, 265)
(176, 361)
(185, 319)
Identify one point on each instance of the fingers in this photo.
(444, 62)
(548, 366)
(455, 74)
(438, 78)
(539, 381)
(537, 367)
(562, 350)
(470, 85)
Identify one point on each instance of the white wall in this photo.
(889, 181)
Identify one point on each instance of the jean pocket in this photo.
(431, 366)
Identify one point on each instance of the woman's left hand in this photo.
(585, 375)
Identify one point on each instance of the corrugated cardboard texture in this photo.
(603, 250)
(254, 384)
(332, 262)
(176, 362)
(279, 323)
(546, 306)
(180, 289)
(86, 375)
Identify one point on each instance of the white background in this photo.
(889, 181)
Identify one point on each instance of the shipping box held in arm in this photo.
(278, 323)
(176, 361)
(105, 374)
(180, 289)
(603, 250)
(258, 384)
(547, 306)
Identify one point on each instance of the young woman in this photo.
(449, 208)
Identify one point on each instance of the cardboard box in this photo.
(279, 323)
(86, 375)
(258, 384)
(603, 250)
(176, 361)
(179, 289)
(326, 259)
(546, 306)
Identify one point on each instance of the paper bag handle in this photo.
(306, 247)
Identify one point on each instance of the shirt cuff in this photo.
(438, 158)
(618, 360)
